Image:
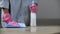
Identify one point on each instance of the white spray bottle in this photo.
(33, 17)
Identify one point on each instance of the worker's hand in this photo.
(34, 8)
(7, 17)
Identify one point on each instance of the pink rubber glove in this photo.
(34, 8)
(7, 17)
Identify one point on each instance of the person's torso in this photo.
(19, 7)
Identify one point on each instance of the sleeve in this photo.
(4, 4)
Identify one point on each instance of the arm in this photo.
(5, 10)
(5, 5)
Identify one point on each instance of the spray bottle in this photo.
(33, 16)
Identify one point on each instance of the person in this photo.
(19, 11)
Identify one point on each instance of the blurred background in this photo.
(49, 13)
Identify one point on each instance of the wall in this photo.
(49, 12)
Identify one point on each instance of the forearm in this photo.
(6, 10)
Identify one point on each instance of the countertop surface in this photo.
(31, 30)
